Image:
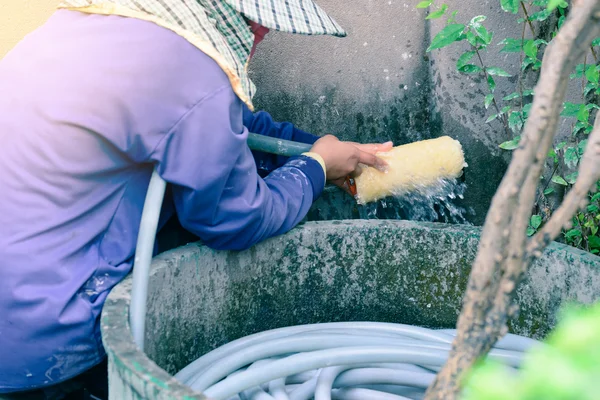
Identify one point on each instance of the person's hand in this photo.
(342, 159)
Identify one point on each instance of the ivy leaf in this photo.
(571, 178)
(488, 100)
(497, 71)
(535, 221)
(559, 180)
(530, 49)
(511, 144)
(464, 59)
(424, 4)
(548, 191)
(571, 157)
(470, 69)
(446, 36)
(511, 6)
(491, 83)
(439, 13)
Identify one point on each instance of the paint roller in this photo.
(414, 166)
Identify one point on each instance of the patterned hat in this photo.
(219, 28)
(292, 16)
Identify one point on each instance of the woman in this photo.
(91, 102)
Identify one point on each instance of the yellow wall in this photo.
(19, 17)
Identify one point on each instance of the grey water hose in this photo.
(149, 224)
(341, 361)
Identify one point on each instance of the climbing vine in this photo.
(540, 20)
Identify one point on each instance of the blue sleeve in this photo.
(217, 192)
(262, 123)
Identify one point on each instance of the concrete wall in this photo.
(379, 83)
(19, 17)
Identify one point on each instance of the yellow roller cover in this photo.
(412, 166)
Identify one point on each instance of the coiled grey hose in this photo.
(341, 361)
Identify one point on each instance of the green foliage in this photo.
(511, 111)
(567, 367)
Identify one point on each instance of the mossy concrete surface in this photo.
(391, 271)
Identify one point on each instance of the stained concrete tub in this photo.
(392, 271)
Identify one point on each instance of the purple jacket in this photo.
(89, 104)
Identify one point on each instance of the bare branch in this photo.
(501, 259)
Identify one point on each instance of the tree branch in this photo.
(502, 257)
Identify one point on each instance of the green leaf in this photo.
(592, 208)
(559, 180)
(595, 197)
(571, 157)
(589, 87)
(581, 147)
(596, 42)
(424, 4)
(584, 114)
(476, 21)
(573, 233)
(530, 231)
(552, 155)
(540, 15)
(464, 59)
(446, 36)
(515, 123)
(570, 109)
(526, 109)
(527, 62)
(560, 145)
(528, 92)
(552, 4)
(439, 13)
(491, 83)
(561, 21)
(594, 242)
(592, 75)
(513, 95)
(530, 49)
(511, 45)
(452, 18)
(472, 39)
(484, 34)
(511, 6)
(511, 144)
(571, 178)
(470, 69)
(535, 221)
(548, 191)
(579, 71)
(492, 117)
(505, 109)
(497, 71)
(488, 100)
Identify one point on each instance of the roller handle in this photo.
(280, 147)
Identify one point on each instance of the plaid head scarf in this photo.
(220, 28)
